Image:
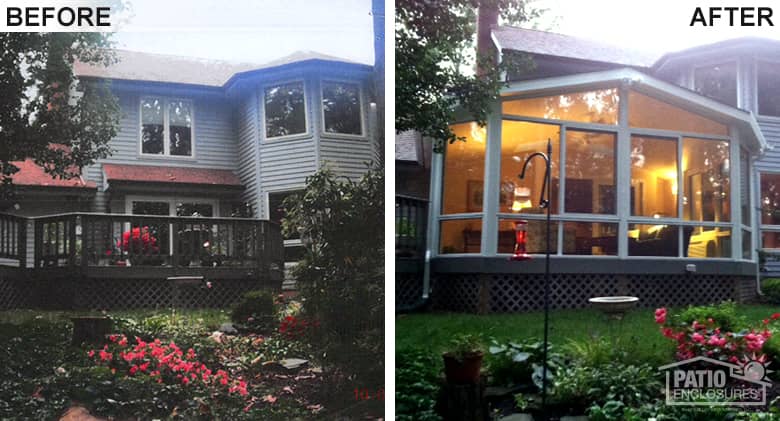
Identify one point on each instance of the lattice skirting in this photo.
(155, 293)
(408, 289)
(484, 293)
(13, 293)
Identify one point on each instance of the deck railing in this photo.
(411, 224)
(13, 234)
(90, 240)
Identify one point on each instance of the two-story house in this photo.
(665, 178)
(197, 139)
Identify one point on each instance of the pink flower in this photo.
(696, 337)
(776, 316)
(660, 316)
(91, 353)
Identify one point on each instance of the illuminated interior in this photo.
(678, 176)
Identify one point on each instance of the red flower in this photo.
(660, 316)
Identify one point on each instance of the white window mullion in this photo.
(166, 129)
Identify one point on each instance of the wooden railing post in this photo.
(86, 228)
(22, 242)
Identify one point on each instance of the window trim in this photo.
(363, 132)
(717, 62)
(306, 120)
(166, 128)
(129, 199)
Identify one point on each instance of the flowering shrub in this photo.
(138, 240)
(293, 327)
(163, 363)
(707, 338)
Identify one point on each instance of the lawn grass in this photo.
(637, 333)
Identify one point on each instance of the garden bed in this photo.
(42, 374)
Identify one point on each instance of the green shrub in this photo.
(771, 288)
(583, 386)
(514, 363)
(724, 314)
(255, 305)
(416, 380)
(772, 350)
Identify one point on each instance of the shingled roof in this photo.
(551, 44)
(149, 67)
(32, 175)
(157, 174)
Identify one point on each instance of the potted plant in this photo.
(463, 361)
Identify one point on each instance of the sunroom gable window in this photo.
(718, 81)
(341, 108)
(285, 110)
(166, 126)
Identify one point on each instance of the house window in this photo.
(285, 110)
(665, 193)
(770, 210)
(166, 126)
(520, 139)
(650, 113)
(293, 248)
(341, 108)
(767, 88)
(718, 82)
(587, 107)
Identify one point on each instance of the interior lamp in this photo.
(522, 199)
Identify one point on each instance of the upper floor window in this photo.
(166, 126)
(718, 82)
(341, 108)
(768, 89)
(285, 110)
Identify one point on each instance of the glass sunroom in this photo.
(641, 170)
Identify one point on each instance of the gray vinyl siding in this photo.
(248, 151)
(215, 140)
(770, 159)
(347, 158)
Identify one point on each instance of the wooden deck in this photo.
(117, 260)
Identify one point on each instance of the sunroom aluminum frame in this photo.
(744, 132)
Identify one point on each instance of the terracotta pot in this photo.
(463, 371)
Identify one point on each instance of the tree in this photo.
(341, 277)
(434, 52)
(46, 114)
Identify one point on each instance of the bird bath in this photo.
(615, 307)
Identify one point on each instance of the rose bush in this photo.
(707, 338)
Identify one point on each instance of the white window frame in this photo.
(166, 128)
(362, 100)
(172, 201)
(623, 131)
(261, 103)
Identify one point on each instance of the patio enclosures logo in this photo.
(703, 381)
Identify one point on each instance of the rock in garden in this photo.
(293, 363)
(227, 328)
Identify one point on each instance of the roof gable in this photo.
(552, 44)
(149, 67)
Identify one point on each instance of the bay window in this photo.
(631, 175)
(284, 108)
(767, 89)
(717, 81)
(770, 210)
(341, 108)
(166, 127)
